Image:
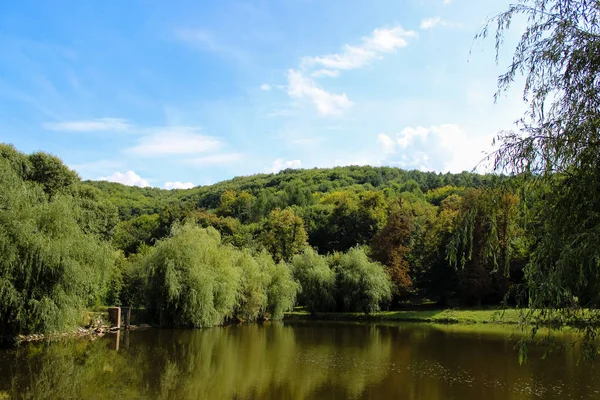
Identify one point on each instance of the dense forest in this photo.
(342, 239)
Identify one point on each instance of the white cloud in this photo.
(325, 72)
(266, 87)
(408, 135)
(178, 185)
(302, 85)
(327, 103)
(175, 140)
(92, 125)
(352, 57)
(446, 2)
(444, 148)
(387, 143)
(281, 164)
(430, 23)
(128, 178)
(215, 159)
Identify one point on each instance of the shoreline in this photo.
(447, 316)
(459, 317)
(79, 333)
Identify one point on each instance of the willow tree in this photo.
(361, 285)
(192, 278)
(50, 269)
(558, 142)
(316, 279)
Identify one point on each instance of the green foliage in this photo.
(50, 269)
(558, 141)
(316, 279)
(361, 285)
(49, 171)
(283, 234)
(95, 215)
(202, 256)
(17, 161)
(436, 196)
(483, 245)
(192, 280)
(134, 280)
(195, 280)
(130, 235)
(353, 219)
(392, 247)
(237, 205)
(281, 289)
(253, 300)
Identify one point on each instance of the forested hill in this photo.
(290, 187)
(352, 238)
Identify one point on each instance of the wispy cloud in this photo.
(302, 80)
(215, 159)
(178, 185)
(325, 72)
(352, 57)
(173, 141)
(129, 178)
(265, 87)
(205, 40)
(91, 125)
(327, 103)
(433, 22)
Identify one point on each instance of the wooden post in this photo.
(126, 312)
(115, 345)
(114, 316)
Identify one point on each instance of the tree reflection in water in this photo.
(292, 361)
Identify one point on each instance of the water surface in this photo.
(296, 360)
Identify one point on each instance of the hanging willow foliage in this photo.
(558, 140)
(50, 269)
(195, 280)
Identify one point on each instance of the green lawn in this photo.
(434, 316)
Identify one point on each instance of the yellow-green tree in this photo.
(283, 234)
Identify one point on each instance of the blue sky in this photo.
(182, 93)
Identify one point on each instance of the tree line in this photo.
(67, 246)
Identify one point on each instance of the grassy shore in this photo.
(433, 316)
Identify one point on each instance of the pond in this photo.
(296, 360)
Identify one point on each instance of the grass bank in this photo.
(432, 316)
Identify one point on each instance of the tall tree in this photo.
(558, 139)
(392, 247)
(283, 234)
